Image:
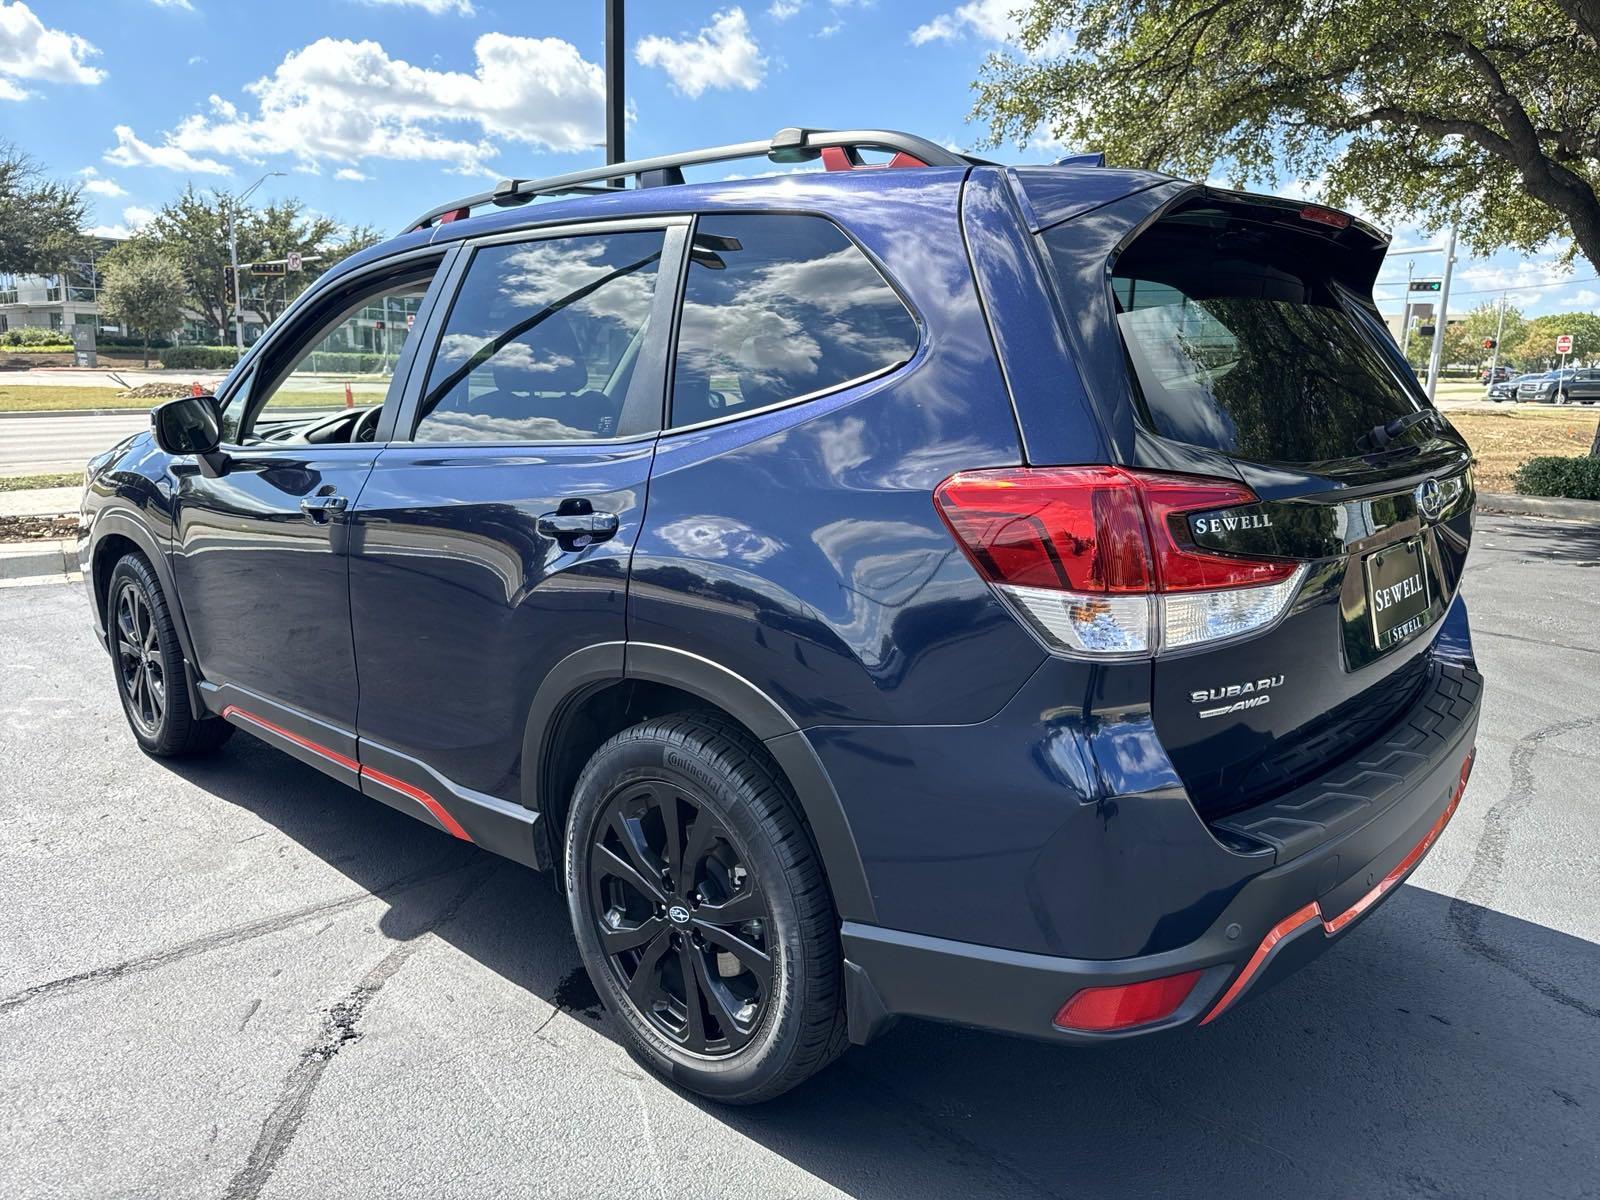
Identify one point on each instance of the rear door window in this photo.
(1239, 343)
(776, 307)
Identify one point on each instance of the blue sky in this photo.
(379, 109)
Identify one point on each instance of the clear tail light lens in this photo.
(1097, 558)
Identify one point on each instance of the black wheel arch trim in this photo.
(609, 662)
(123, 523)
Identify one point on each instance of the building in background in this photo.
(58, 301)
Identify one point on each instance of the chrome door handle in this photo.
(318, 508)
(575, 530)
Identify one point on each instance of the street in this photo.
(30, 444)
(236, 977)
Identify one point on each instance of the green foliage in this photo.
(41, 220)
(199, 358)
(1455, 110)
(1552, 475)
(142, 288)
(338, 362)
(35, 335)
(1536, 348)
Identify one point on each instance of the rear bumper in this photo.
(1339, 848)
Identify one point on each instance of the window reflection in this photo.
(777, 307)
(542, 340)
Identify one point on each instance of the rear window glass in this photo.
(1238, 343)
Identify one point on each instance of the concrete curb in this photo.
(25, 560)
(1540, 506)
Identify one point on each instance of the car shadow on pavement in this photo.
(1442, 1049)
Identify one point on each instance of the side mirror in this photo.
(191, 425)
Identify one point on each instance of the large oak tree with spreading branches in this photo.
(1481, 111)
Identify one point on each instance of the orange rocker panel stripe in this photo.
(440, 813)
(1313, 911)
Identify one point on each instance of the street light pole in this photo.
(1499, 328)
(1435, 359)
(233, 261)
(1405, 314)
(616, 114)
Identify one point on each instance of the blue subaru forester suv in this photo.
(1025, 597)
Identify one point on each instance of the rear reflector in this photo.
(1099, 559)
(1098, 1010)
(1325, 216)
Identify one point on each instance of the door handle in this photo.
(575, 530)
(319, 508)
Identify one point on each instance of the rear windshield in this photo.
(1239, 343)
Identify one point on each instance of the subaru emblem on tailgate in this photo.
(1430, 498)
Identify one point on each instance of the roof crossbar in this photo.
(786, 146)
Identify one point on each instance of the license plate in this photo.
(1397, 592)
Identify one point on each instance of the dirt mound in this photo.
(159, 391)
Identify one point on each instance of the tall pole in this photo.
(1405, 314)
(615, 112)
(1443, 315)
(233, 261)
(1499, 328)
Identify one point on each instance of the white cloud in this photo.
(340, 101)
(989, 20)
(722, 55)
(104, 187)
(31, 50)
(351, 175)
(828, 30)
(436, 7)
(183, 4)
(782, 10)
(130, 151)
(132, 218)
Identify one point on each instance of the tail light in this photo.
(1099, 561)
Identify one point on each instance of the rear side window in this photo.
(542, 340)
(776, 307)
(1238, 342)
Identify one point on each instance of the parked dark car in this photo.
(1026, 598)
(1506, 389)
(1572, 386)
(1492, 375)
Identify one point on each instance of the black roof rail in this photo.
(786, 146)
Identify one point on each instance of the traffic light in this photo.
(230, 284)
(1426, 285)
(1489, 343)
(1427, 330)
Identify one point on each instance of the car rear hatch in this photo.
(1230, 344)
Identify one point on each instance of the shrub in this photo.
(1553, 475)
(199, 358)
(35, 335)
(57, 348)
(123, 342)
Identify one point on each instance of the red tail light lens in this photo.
(1099, 1010)
(1043, 535)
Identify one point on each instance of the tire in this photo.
(147, 663)
(749, 880)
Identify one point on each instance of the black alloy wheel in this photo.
(681, 917)
(139, 664)
(701, 908)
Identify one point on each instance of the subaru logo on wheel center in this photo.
(1430, 498)
(679, 914)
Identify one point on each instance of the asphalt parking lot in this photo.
(237, 978)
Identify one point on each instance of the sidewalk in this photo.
(36, 560)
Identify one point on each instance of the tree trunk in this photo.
(1594, 446)
(147, 350)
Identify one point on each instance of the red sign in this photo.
(1564, 343)
(1488, 343)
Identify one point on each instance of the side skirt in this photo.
(397, 780)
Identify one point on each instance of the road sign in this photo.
(294, 260)
(1564, 343)
(1426, 285)
(1427, 330)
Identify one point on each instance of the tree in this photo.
(193, 230)
(1536, 348)
(1466, 110)
(143, 289)
(1483, 322)
(41, 220)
